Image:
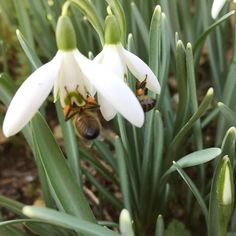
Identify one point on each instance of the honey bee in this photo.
(84, 117)
(87, 125)
(146, 102)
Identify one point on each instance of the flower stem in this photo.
(65, 8)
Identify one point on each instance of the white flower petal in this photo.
(70, 77)
(113, 60)
(89, 86)
(99, 57)
(113, 89)
(107, 110)
(30, 96)
(140, 70)
(216, 7)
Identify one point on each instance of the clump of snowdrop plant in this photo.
(171, 168)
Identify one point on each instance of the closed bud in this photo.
(126, 224)
(221, 198)
(65, 34)
(224, 187)
(112, 30)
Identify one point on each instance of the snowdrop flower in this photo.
(217, 6)
(69, 72)
(117, 58)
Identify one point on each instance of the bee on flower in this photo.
(115, 57)
(70, 72)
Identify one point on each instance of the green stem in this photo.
(65, 8)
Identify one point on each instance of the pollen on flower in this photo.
(74, 97)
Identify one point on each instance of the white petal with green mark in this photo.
(70, 77)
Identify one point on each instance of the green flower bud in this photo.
(112, 30)
(221, 198)
(224, 187)
(65, 34)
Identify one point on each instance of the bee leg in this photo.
(91, 103)
(90, 99)
(66, 111)
(141, 87)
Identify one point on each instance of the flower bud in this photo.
(125, 224)
(112, 30)
(221, 198)
(65, 34)
(224, 189)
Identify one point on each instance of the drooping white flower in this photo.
(69, 71)
(217, 6)
(115, 57)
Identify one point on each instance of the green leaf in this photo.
(158, 147)
(193, 188)
(204, 35)
(164, 102)
(17, 207)
(181, 76)
(155, 41)
(30, 53)
(133, 175)
(196, 158)
(104, 191)
(63, 182)
(193, 95)
(70, 142)
(176, 228)
(229, 115)
(138, 19)
(12, 205)
(160, 228)
(228, 99)
(228, 144)
(106, 153)
(124, 178)
(7, 90)
(184, 130)
(89, 11)
(67, 221)
(24, 21)
(11, 231)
